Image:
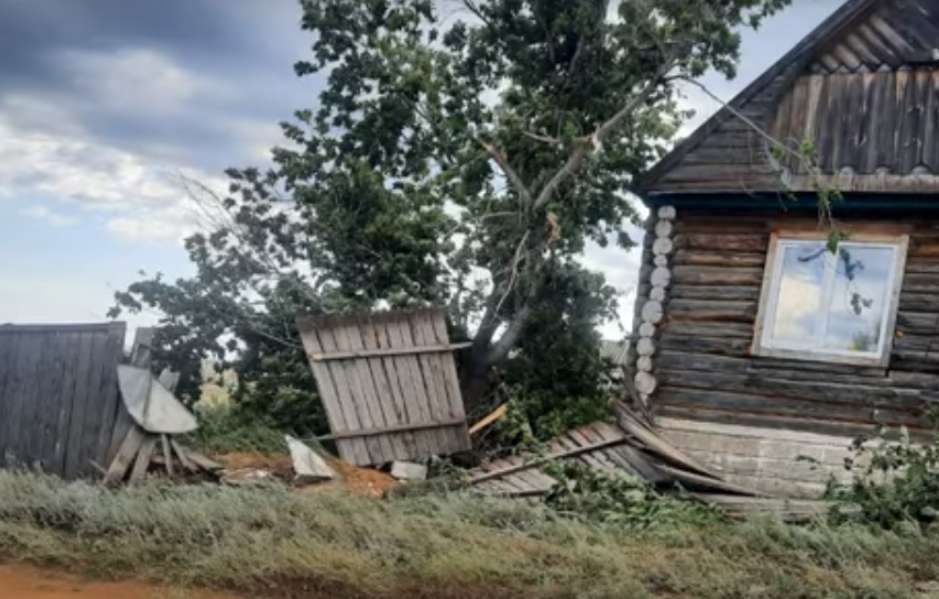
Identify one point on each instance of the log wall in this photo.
(704, 371)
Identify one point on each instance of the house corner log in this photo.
(655, 278)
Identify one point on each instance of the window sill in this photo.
(808, 356)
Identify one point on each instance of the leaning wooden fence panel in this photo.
(388, 383)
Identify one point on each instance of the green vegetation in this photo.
(462, 156)
(272, 542)
(226, 429)
(895, 481)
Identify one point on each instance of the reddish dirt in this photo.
(22, 582)
(360, 481)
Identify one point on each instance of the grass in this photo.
(275, 543)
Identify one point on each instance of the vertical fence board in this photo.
(400, 373)
(390, 379)
(58, 395)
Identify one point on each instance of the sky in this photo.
(105, 103)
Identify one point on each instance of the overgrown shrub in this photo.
(620, 499)
(226, 429)
(895, 481)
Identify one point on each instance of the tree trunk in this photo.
(474, 383)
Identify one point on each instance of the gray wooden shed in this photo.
(60, 409)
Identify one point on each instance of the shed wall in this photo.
(59, 398)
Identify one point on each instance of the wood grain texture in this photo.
(389, 389)
(706, 372)
(864, 89)
(58, 396)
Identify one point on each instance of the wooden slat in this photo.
(126, 453)
(372, 416)
(394, 351)
(388, 390)
(142, 463)
(412, 378)
(413, 330)
(340, 413)
(570, 453)
(456, 409)
(394, 369)
(397, 428)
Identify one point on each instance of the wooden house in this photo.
(758, 339)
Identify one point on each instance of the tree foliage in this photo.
(462, 154)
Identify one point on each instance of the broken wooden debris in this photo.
(152, 416)
(409, 471)
(308, 466)
(492, 417)
(630, 447)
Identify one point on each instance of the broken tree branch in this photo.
(594, 141)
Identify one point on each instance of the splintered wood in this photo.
(388, 383)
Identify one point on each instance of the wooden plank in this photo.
(776, 388)
(81, 401)
(395, 351)
(455, 409)
(432, 381)
(715, 258)
(142, 463)
(184, 460)
(389, 368)
(751, 242)
(387, 389)
(125, 455)
(415, 393)
(450, 407)
(12, 423)
(51, 391)
(399, 376)
(167, 455)
(682, 328)
(123, 422)
(687, 309)
(374, 402)
(397, 428)
(718, 275)
(350, 373)
(97, 404)
(714, 292)
(340, 414)
(758, 404)
(574, 452)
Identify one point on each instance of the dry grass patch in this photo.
(272, 542)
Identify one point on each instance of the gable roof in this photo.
(834, 48)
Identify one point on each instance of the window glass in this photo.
(859, 298)
(834, 303)
(798, 312)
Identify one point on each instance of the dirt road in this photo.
(21, 582)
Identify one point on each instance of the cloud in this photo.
(136, 80)
(49, 216)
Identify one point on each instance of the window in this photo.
(830, 306)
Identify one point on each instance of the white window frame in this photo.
(763, 344)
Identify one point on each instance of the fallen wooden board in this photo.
(659, 446)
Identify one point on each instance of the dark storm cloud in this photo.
(242, 49)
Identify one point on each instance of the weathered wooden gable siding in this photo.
(891, 35)
(59, 398)
(868, 99)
